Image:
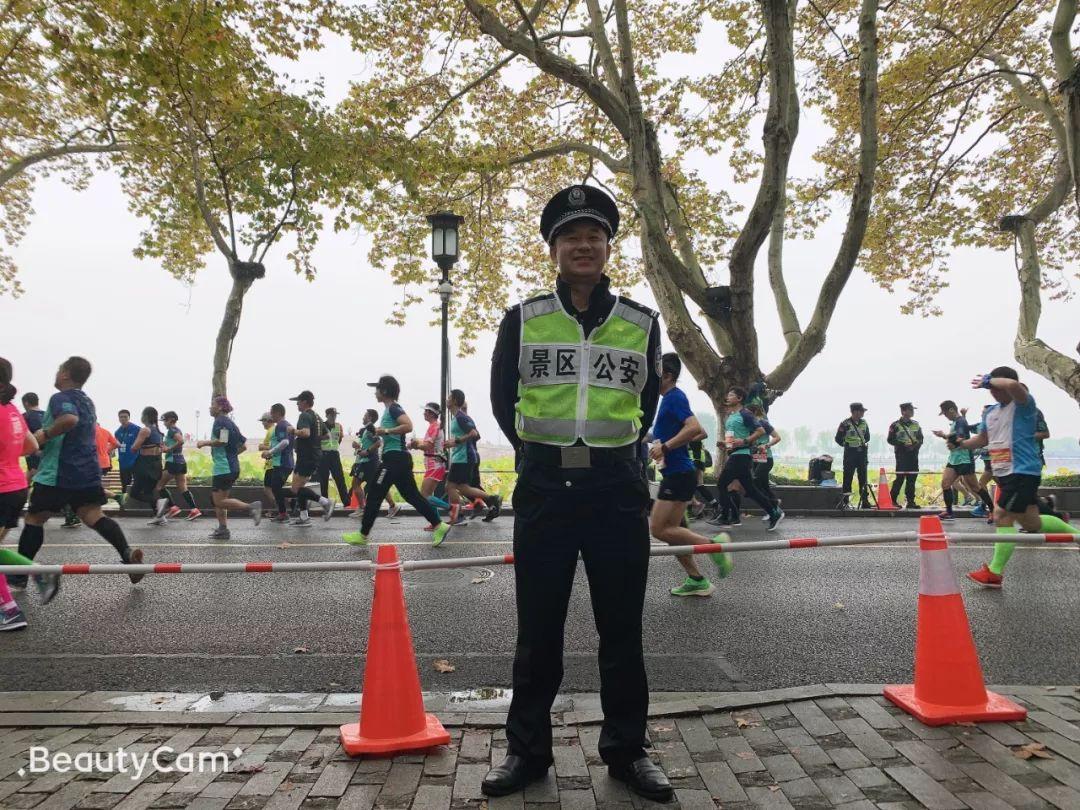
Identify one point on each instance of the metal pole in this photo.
(444, 390)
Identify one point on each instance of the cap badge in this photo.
(576, 197)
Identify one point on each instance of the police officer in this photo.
(906, 437)
(575, 381)
(330, 460)
(854, 436)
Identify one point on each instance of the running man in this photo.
(147, 470)
(961, 463)
(279, 455)
(330, 460)
(464, 460)
(366, 465)
(741, 431)
(396, 467)
(1008, 431)
(16, 441)
(33, 416)
(125, 435)
(674, 428)
(225, 443)
(434, 456)
(309, 433)
(702, 460)
(175, 470)
(267, 422)
(762, 455)
(106, 446)
(69, 475)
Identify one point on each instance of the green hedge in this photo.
(1072, 480)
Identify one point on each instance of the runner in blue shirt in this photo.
(126, 435)
(1009, 434)
(34, 416)
(69, 475)
(464, 460)
(225, 443)
(175, 469)
(673, 430)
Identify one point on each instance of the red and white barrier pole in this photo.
(1020, 539)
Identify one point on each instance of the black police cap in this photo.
(579, 202)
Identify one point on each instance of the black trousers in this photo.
(739, 467)
(126, 477)
(855, 463)
(602, 516)
(760, 473)
(906, 462)
(147, 471)
(330, 466)
(395, 471)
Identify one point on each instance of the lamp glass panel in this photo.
(438, 240)
(451, 242)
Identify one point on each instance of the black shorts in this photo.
(307, 467)
(460, 472)
(962, 469)
(268, 478)
(176, 467)
(44, 498)
(360, 470)
(678, 486)
(279, 477)
(223, 483)
(1017, 492)
(11, 504)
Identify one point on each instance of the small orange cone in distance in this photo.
(392, 717)
(948, 684)
(884, 497)
(354, 502)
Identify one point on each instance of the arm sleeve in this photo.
(59, 405)
(396, 411)
(651, 395)
(504, 375)
(750, 420)
(839, 438)
(891, 437)
(465, 422)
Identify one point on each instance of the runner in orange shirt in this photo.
(106, 446)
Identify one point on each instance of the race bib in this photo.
(761, 454)
(1001, 458)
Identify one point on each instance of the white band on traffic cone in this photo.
(936, 577)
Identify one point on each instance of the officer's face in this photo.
(581, 250)
(857, 414)
(907, 413)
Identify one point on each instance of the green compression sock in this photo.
(1002, 551)
(9, 557)
(1055, 525)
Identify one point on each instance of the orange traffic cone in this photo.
(392, 717)
(884, 497)
(948, 684)
(354, 502)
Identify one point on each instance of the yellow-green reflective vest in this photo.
(576, 388)
(332, 439)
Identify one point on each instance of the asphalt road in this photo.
(784, 618)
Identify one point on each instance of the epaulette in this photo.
(652, 313)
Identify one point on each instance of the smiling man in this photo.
(575, 380)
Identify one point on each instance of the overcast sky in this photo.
(151, 338)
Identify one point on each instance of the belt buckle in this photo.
(575, 458)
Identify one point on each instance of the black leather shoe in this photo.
(645, 778)
(511, 775)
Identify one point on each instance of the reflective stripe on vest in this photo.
(574, 388)
(853, 436)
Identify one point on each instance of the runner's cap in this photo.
(434, 408)
(579, 202)
(266, 417)
(856, 406)
(947, 405)
(303, 396)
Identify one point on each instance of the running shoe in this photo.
(194, 514)
(160, 506)
(16, 583)
(356, 513)
(173, 511)
(392, 512)
(158, 521)
(765, 518)
(281, 518)
(696, 510)
(355, 538)
(946, 516)
(912, 505)
(74, 523)
(737, 521)
(979, 510)
(694, 587)
(48, 585)
(301, 521)
(430, 527)
(476, 507)
(256, 512)
(135, 558)
(493, 510)
(439, 534)
(221, 533)
(119, 500)
(327, 508)
(990, 521)
(985, 577)
(723, 559)
(774, 521)
(12, 619)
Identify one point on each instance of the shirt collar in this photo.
(601, 292)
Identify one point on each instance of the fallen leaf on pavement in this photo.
(250, 769)
(774, 788)
(742, 722)
(285, 545)
(478, 581)
(442, 665)
(302, 649)
(839, 605)
(745, 754)
(1031, 750)
(1051, 688)
(158, 700)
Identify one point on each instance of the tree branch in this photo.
(272, 235)
(614, 164)
(200, 199)
(597, 27)
(17, 167)
(487, 74)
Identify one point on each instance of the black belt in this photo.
(578, 456)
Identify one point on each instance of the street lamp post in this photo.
(444, 250)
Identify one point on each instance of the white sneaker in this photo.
(300, 522)
(158, 521)
(160, 507)
(327, 509)
(357, 513)
(392, 512)
(256, 512)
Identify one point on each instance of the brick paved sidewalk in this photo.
(851, 752)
